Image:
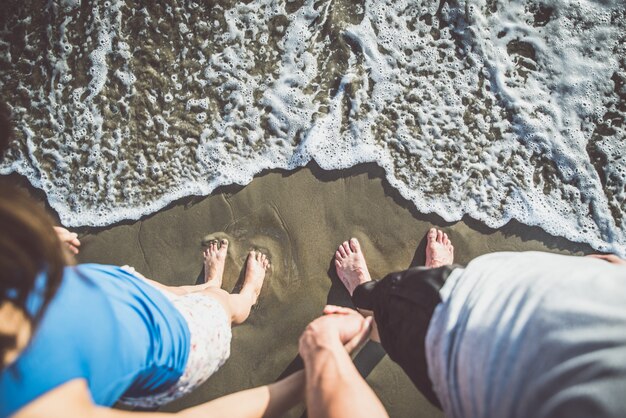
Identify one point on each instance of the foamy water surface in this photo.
(495, 109)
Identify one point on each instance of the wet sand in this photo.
(299, 218)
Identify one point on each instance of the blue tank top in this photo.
(104, 325)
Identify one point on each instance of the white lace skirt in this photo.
(209, 348)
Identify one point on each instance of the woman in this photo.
(76, 337)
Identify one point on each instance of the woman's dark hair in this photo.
(28, 246)
(6, 127)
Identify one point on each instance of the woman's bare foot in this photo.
(351, 266)
(214, 262)
(439, 249)
(256, 266)
(70, 239)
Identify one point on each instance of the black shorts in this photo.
(403, 304)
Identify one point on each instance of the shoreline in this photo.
(373, 172)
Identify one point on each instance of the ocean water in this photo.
(496, 109)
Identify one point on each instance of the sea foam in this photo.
(496, 109)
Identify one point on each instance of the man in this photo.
(511, 335)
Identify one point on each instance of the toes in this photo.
(337, 265)
(252, 255)
(432, 234)
(74, 240)
(262, 259)
(354, 245)
(342, 251)
(338, 256)
(439, 236)
(224, 243)
(446, 240)
(346, 247)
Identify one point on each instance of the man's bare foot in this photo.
(351, 266)
(214, 262)
(439, 249)
(256, 266)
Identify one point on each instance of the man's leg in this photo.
(352, 268)
(402, 302)
(439, 249)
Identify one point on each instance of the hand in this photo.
(611, 258)
(373, 335)
(343, 329)
(69, 239)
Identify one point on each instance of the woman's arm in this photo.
(73, 400)
(265, 401)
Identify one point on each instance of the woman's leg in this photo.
(172, 289)
(214, 261)
(238, 305)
